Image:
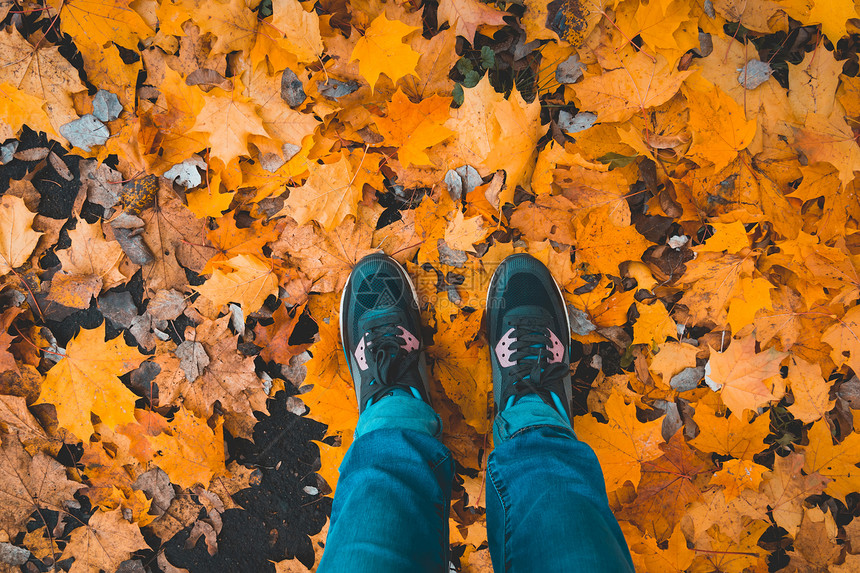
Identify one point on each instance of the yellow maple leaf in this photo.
(245, 279)
(623, 444)
(672, 358)
(98, 22)
(462, 233)
(208, 200)
(18, 108)
(332, 398)
(720, 129)
(283, 123)
(17, 237)
(655, 23)
(727, 237)
(641, 83)
(190, 452)
(301, 29)
(844, 338)
(232, 23)
(603, 246)
(810, 390)
(729, 435)
(42, 73)
(328, 196)
(229, 118)
(676, 557)
(381, 50)
(412, 128)
(463, 366)
(813, 83)
(754, 296)
(830, 139)
(88, 266)
(653, 325)
(87, 380)
(711, 280)
(835, 461)
(738, 475)
(833, 15)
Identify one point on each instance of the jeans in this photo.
(547, 509)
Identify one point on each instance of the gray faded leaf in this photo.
(292, 90)
(570, 123)
(106, 106)
(85, 132)
(570, 70)
(192, 359)
(754, 74)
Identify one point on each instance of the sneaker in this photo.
(380, 328)
(529, 335)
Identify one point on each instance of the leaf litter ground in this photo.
(188, 184)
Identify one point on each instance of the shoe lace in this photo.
(533, 373)
(387, 361)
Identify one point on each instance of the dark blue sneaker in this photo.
(529, 335)
(380, 328)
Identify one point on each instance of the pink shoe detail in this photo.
(359, 355)
(503, 350)
(557, 348)
(410, 343)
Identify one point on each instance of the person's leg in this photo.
(547, 508)
(391, 508)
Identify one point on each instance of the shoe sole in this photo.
(343, 298)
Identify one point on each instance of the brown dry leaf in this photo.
(466, 16)
(327, 258)
(42, 73)
(28, 483)
(172, 231)
(786, 489)
(229, 379)
(16, 419)
(669, 484)
(275, 338)
(90, 265)
(104, 542)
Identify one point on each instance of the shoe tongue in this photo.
(375, 318)
(529, 311)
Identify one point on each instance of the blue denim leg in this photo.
(547, 508)
(403, 412)
(390, 512)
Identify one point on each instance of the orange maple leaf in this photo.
(745, 379)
